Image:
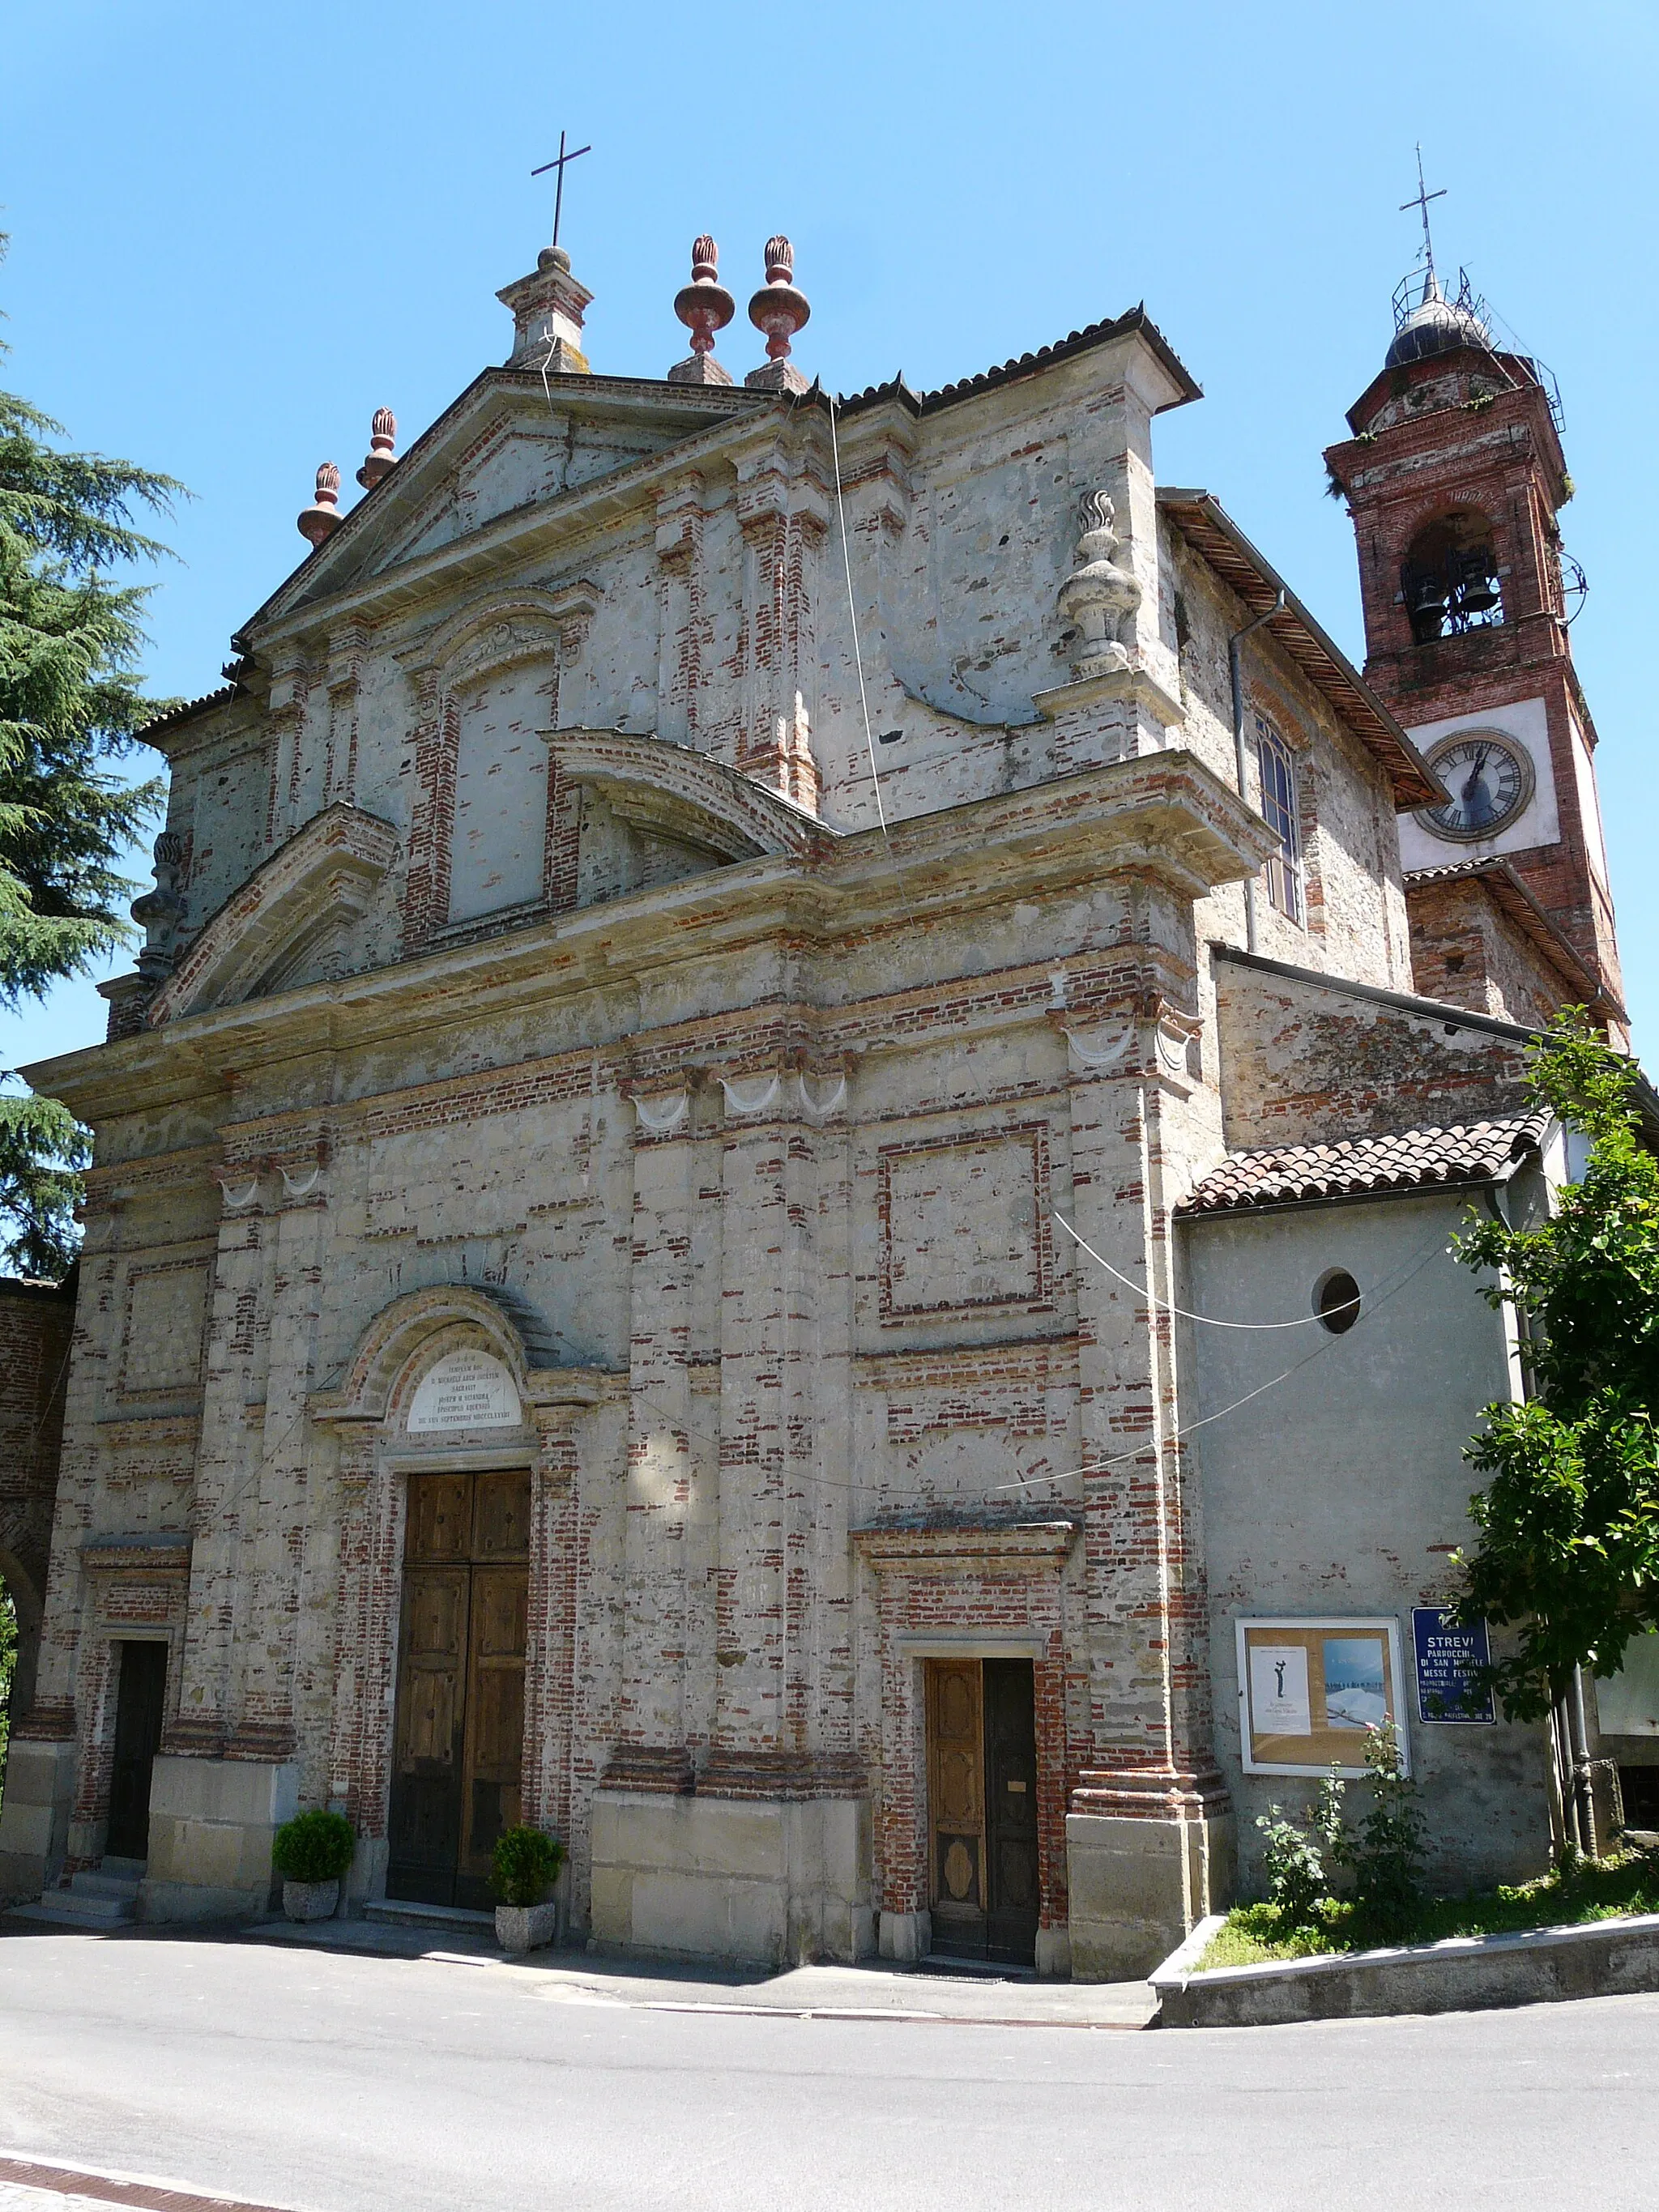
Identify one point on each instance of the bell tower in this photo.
(1454, 477)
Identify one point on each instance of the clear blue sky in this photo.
(237, 231)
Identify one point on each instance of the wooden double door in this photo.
(457, 1740)
(981, 1808)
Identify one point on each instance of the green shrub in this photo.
(1295, 1868)
(1387, 1854)
(313, 1847)
(524, 1865)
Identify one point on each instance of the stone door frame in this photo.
(965, 1593)
(367, 1415)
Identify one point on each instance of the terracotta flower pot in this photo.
(310, 1900)
(525, 1926)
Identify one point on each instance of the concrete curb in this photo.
(1464, 1973)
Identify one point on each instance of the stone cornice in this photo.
(1164, 817)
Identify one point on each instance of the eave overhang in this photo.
(1222, 545)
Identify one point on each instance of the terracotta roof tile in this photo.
(1411, 1159)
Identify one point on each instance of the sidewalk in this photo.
(876, 1991)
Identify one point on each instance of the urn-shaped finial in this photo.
(778, 308)
(1100, 596)
(382, 455)
(704, 304)
(323, 517)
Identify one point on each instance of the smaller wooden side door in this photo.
(1013, 1891)
(955, 1804)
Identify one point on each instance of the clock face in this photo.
(1490, 779)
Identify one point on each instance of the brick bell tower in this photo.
(1455, 476)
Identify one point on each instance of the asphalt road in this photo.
(356, 2084)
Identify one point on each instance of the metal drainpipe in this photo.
(1234, 670)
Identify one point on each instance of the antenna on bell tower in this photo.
(1430, 282)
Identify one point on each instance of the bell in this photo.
(1480, 595)
(1430, 599)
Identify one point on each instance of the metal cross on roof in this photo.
(1421, 202)
(558, 162)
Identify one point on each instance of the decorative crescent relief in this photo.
(750, 1098)
(660, 1115)
(1110, 1051)
(298, 1186)
(821, 1107)
(236, 1201)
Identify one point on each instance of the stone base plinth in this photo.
(1138, 1885)
(906, 1936)
(754, 1879)
(211, 1821)
(35, 1819)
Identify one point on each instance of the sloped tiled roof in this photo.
(1358, 1167)
(1027, 364)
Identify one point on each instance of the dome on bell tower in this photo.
(1435, 324)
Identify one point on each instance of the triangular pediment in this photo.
(290, 923)
(511, 442)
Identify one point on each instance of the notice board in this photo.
(1309, 1689)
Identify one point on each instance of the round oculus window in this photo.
(1336, 1301)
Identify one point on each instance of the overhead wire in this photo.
(1140, 1451)
(1145, 1291)
(853, 616)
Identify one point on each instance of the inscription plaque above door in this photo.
(465, 1389)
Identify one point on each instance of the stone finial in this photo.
(548, 308)
(323, 517)
(382, 455)
(704, 305)
(159, 910)
(1099, 596)
(779, 310)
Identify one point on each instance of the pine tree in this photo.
(71, 703)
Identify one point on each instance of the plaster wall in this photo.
(1342, 1490)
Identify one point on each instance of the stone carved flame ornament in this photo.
(382, 455)
(161, 910)
(704, 305)
(323, 517)
(1099, 597)
(779, 310)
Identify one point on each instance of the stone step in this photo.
(98, 1881)
(69, 1908)
(125, 1870)
(398, 1912)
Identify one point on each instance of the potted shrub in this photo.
(311, 1852)
(522, 1870)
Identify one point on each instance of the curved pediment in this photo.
(667, 791)
(283, 919)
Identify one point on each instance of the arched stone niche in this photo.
(453, 1377)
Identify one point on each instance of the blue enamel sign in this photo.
(1446, 1660)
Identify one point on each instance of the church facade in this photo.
(727, 973)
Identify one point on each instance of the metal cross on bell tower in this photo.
(1420, 202)
(557, 163)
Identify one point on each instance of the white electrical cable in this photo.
(1141, 1451)
(853, 616)
(1158, 1304)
